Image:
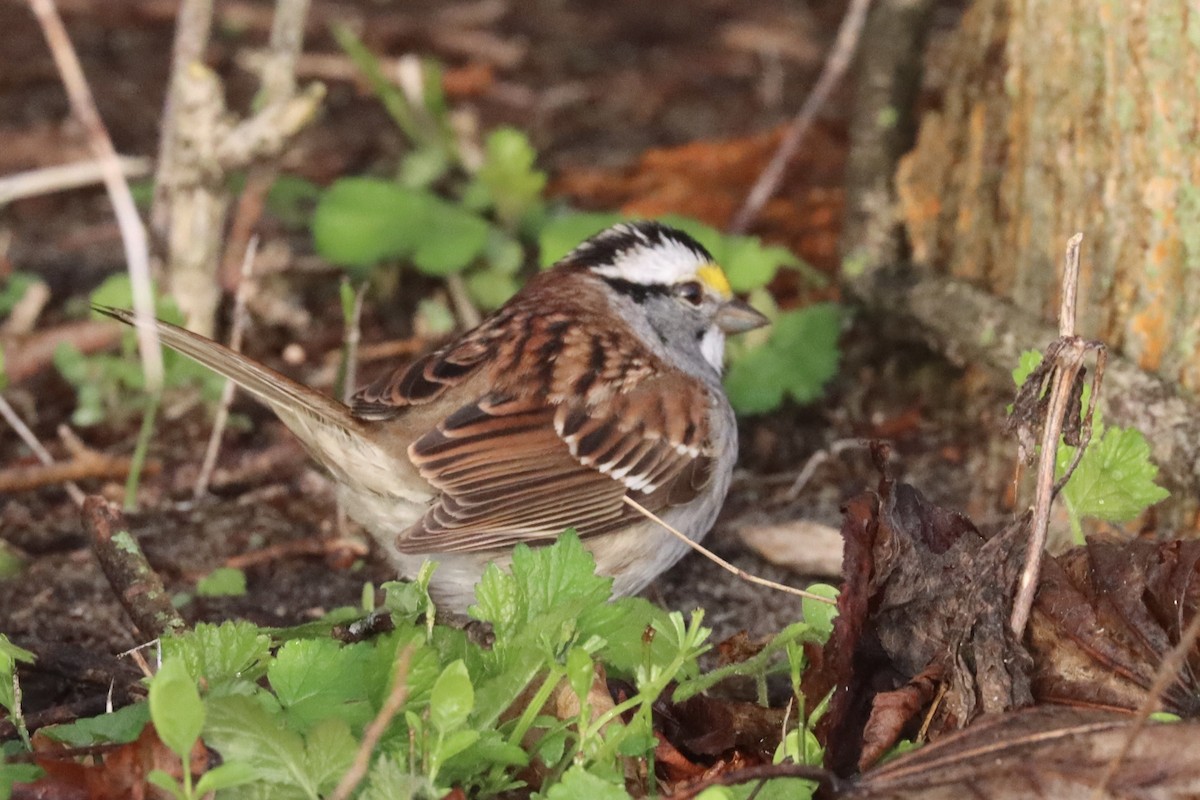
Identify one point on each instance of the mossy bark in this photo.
(1067, 116)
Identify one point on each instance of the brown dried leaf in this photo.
(925, 597)
(1105, 616)
(1045, 752)
(705, 727)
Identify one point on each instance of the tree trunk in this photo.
(1063, 117)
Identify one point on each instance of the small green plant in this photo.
(1114, 480)
(112, 385)
(286, 710)
(222, 582)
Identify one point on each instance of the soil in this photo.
(596, 84)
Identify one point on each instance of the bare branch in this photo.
(840, 57)
(62, 177)
(133, 233)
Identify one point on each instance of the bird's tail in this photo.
(306, 411)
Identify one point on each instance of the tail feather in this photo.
(289, 399)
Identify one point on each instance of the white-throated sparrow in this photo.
(601, 378)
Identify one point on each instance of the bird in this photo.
(598, 381)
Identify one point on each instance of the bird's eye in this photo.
(691, 291)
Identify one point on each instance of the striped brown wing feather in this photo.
(520, 470)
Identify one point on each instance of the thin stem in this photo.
(31, 441)
(133, 233)
(237, 331)
(139, 451)
(720, 562)
(835, 67)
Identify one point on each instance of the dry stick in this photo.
(31, 441)
(237, 330)
(1060, 396)
(720, 562)
(1167, 671)
(835, 67)
(134, 581)
(61, 177)
(89, 464)
(374, 732)
(133, 233)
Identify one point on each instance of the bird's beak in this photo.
(738, 316)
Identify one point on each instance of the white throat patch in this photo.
(712, 347)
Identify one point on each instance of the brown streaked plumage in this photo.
(586, 387)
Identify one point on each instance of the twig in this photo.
(1061, 366)
(303, 547)
(817, 459)
(246, 216)
(90, 464)
(134, 581)
(133, 233)
(287, 39)
(374, 732)
(31, 441)
(468, 314)
(720, 562)
(36, 352)
(62, 177)
(237, 330)
(840, 57)
(1172, 663)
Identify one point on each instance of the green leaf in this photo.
(389, 780)
(11, 562)
(221, 654)
(13, 289)
(513, 183)
(175, 707)
(579, 784)
(164, 781)
(330, 748)
(456, 743)
(1026, 365)
(226, 776)
(242, 730)
(808, 341)
(1115, 478)
(316, 679)
(453, 239)
(818, 615)
(424, 166)
(581, 673)
(562, 234)
(453, 698)
(120, 727)
(754, 382)
(10, 654)
(222, 582)
(490, 289)
(17, 773)
(292, 200)
(362, 221)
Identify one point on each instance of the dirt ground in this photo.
(595, 84)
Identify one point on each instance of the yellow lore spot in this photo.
(714, 278)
